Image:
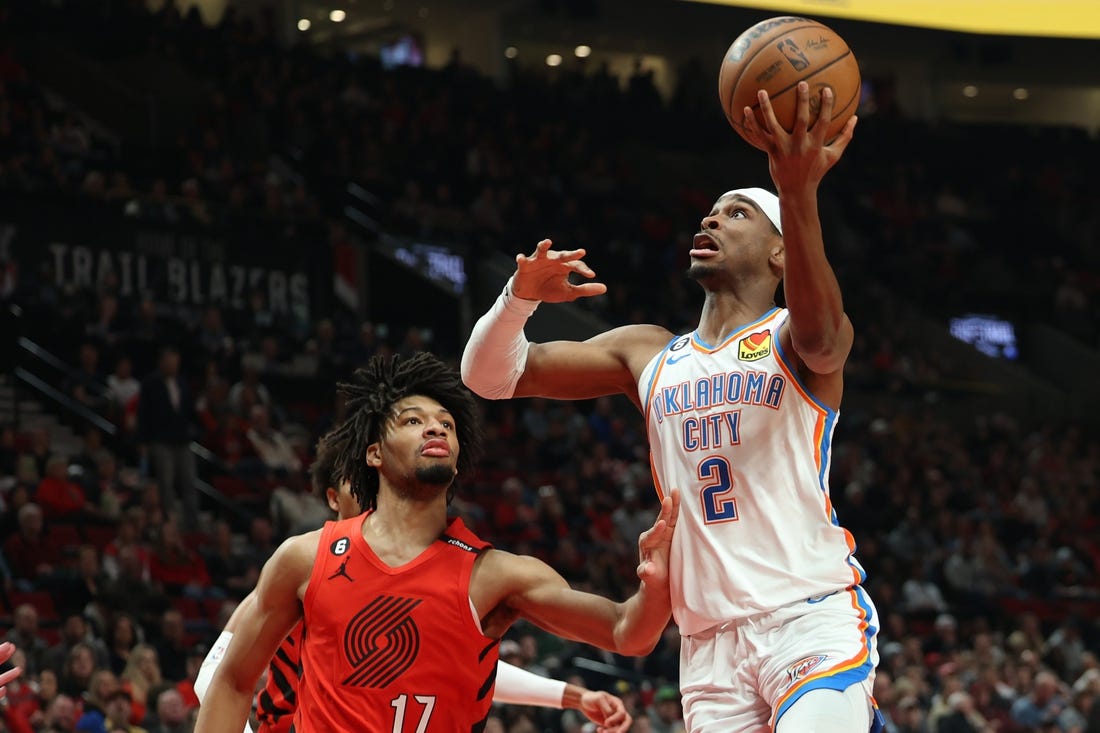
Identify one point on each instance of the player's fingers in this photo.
(841, 143)
(580, 267)
(587, 290)
(567, 254)
(8, 676)
(802, 107)
(771, 125)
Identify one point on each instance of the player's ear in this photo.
(330, 499)
(776, 257)
(374, 454)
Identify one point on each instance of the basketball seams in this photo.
(807, 79)
(763, 44)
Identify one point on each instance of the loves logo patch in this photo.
(803, 667)
(755, 346)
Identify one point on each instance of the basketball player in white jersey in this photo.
(777, 632)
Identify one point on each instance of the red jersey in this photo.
(276, 703)
(393, 650)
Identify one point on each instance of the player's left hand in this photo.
(801, 156)
(606, 711)
(7, 649)
(655, 543)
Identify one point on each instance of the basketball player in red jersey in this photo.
(403, 609)
(277, 702)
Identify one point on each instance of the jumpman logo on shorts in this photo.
(342, 571)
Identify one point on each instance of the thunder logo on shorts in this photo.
(381, 642)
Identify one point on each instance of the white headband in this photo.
(765, 200)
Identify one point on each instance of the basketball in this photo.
(775, 55)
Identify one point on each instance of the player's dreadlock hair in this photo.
(371, 395)
(323, 472)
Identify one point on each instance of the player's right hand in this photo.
(606, 711)
(544, 275)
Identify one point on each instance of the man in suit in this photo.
(166, 420)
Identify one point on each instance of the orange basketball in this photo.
(775, 55)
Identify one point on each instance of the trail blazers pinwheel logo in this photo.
(755, 346)
(381, 642)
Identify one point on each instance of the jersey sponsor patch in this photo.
(755, 346)
(803, 667)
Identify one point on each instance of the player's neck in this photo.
(402, 527)
(725, 311)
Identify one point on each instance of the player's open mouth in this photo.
(703, 246)
(436, 449)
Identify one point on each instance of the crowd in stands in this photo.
(979, 535)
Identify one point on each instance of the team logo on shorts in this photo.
(803, 667)
(755, 346)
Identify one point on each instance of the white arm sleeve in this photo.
(210, 664)
(496, 354)
(520, 687)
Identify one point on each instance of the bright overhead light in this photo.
(511, 52)
(304, 24)
(582, 51)
(1020, 93)
(337, 16)
(553, 59)
(970, 91)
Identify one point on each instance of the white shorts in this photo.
(741, 676)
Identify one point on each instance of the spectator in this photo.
(172, 714)
(119, 709)
(176, 566)
(25, 635)
(74, 631)
(270, 445)
(122, 390)
(31, 553)
(166, 422)
(172, 647)
(666, 714)
(1043, 702)
(77, 671)
(122, 636)
(60, 715)
(60, 497)
(141, 675)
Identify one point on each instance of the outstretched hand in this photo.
(544, 275)
(655, 543)
(802, 155)
(606, 711)
(7, 649)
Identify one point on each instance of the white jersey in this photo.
(733, 428)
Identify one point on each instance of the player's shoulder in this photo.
(297, 550)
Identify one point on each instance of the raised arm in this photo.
(499, 362)
(275, 608)
(535, 591)
(820, 332)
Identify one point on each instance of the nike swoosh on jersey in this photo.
(674, 359)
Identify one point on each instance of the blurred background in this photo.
(246, 199)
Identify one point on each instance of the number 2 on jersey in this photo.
(719, 505)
